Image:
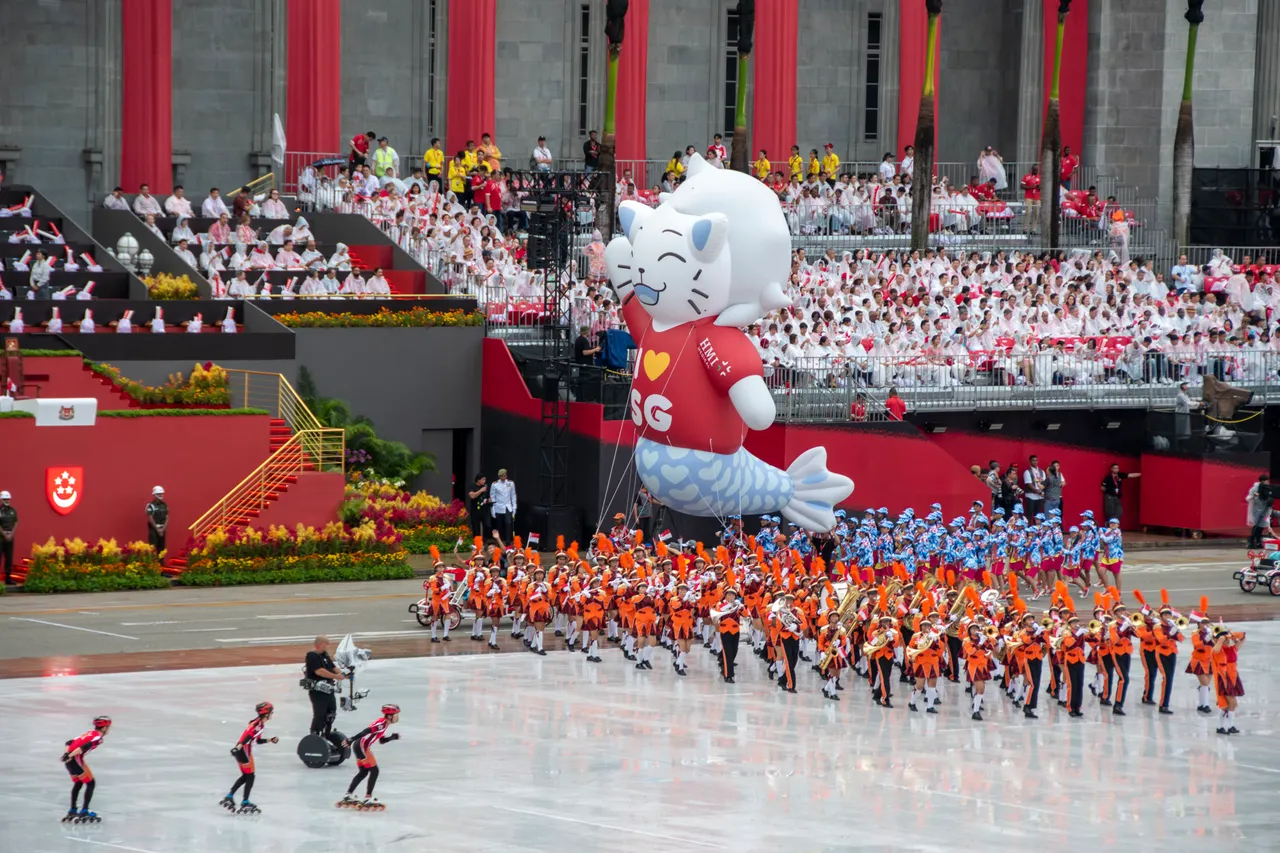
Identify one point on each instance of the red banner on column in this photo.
(913, 46)
(773, 106)
(633, 82)
(473, 36)
(1075, 68)
(313, 116)
(146, 95)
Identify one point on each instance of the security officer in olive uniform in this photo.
(157, 519)
(8, 526)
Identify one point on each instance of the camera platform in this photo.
(321, 750)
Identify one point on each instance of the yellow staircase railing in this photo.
(253, 389)
(309, 450)
(312, 447)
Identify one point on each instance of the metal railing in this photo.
(312, 447)
(308, 450)
(825, 389)
(253, 389)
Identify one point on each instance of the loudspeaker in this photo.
(552, 521)
(551, 386)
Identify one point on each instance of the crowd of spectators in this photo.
(944, 318)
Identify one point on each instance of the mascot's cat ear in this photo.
(632, 215)
(708, 236)
(697, 165)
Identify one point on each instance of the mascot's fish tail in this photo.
(698, 482)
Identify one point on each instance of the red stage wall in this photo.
(633, 81)
(1083, 468)
(913, 42)
(313, 115)
(1196, 494)
(197, 460)
(146, 96)
(773, 106)
(315, 500)
(472, 42)
(1075, 68)
(69, 377)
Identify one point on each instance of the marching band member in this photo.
(1071, 646)
(977, 659)
(726, 618)
(680, 616)
(645, 627)
(1226, 646)
(438, 595)
(1032, 641)
(1167, 636)
(539, 610)
(1122, 634)
(789, 627)
(880, 650)
(1202, 650)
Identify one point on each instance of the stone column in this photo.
(269, 79)
(1266, 87)
(427, 65)
(889, 93)
(101, 155)
(1031, 83)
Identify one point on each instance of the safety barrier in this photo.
(1092, 377)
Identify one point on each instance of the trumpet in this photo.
(1046, 623)
(991, 631)
(1182, 622)
(1095, 627)
(1137, 620)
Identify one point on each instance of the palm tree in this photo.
(1051, 142)
(739, 152)
(922, 173)
(1184, 140)
(391, 459)
(614, 29)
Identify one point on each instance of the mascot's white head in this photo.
(675, 264)
(759, 240)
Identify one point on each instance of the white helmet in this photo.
(4, 496)
(158, 490)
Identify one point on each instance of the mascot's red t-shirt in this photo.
(680, 392)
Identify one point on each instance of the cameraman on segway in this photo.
(323, 673)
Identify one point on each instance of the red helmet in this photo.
(390, 708)
(264, 708)
(101, 721)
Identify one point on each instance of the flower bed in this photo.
(302, 555)
(207, 386)
(421, 519)
(77, 566)
(413, 318)
(165, 286)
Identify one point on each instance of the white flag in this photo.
(278, 146)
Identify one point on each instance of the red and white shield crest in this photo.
(64, 486)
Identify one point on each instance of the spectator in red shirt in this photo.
(859, 408)
(360, 149)
(1070, 164)
(984, 192)
(896, 406)
(1031, 198)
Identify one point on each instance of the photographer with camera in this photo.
(322, 673)
(1259, 501)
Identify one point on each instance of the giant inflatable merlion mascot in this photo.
(689, 274)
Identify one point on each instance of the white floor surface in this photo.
(504, 753)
